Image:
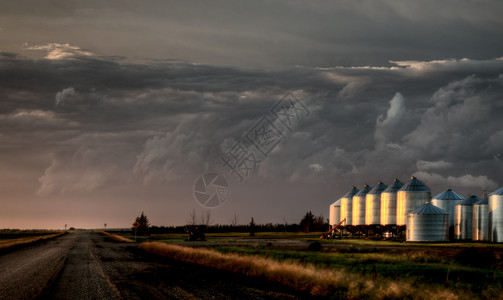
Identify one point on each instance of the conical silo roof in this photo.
(337, 203)
(378, 189)
(469, 201)
(397, 185)
(366, 188)
(449, 194)
(428, 209)
(497, 192)
(351, 192)
(483, 201)
(414, 185)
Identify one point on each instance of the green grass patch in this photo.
(230, 237)
(414, 268)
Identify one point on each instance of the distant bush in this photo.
(314, 246)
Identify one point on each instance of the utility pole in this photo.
(65, 226)
(105, 226)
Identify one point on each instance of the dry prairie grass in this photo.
(116, 237)
(322, 282)
(26, 240)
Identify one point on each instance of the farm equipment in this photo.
(196, 232)
(329, 234)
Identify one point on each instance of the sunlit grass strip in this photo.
(26, 240)
(116, 237)
(301, 277)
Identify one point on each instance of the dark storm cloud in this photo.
(263, 34)
(102, 122)
(108, 102)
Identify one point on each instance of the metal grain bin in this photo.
(411, 196)
(463, 218)
(480, 221)
(359, 205)
(373, 204)
(495, 216)
(335, 213)
(427, 223)
(388, 203)
(347, 206)
(446, 201)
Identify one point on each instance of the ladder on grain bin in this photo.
(328, 234)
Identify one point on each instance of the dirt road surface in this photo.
(87, 265)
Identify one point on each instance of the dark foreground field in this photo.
(353, 268)
(87, 265)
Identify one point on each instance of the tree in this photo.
(307, 222)
(234, 221)
(252, 227)
(143, 229)
(320, 224)
(206, 217)
(192, 218)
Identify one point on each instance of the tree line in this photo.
(309, 223)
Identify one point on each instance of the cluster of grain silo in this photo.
(409, 208)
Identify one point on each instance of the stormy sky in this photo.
(109, 109)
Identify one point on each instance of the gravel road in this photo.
(87, 265)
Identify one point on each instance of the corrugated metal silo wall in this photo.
(427, 228)
(407, 201)
(331, 218)
(347, 210)
(335, 215)
(480, 222)
(448, 206)
(373, 209)
(358, 210)
(463, 222)
(388, 208)
(495, 217)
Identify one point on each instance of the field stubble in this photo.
(349, 275)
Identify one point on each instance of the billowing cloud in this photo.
(391, 127)
(423, 165)
(475, 183)
(316, 167)
(459, 119)
(146, 126)
(55, 51)
(123, 101)
(66, 96)
(37, 119)
(86, 170)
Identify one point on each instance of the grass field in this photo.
(117, 237)
(454, 273)
(431, 270)
(16, 238)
